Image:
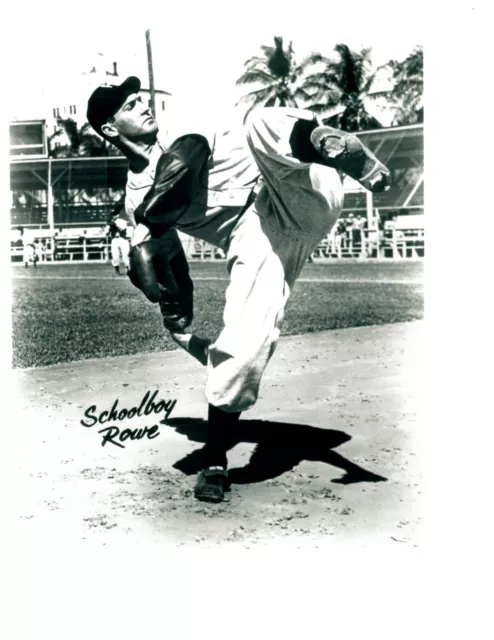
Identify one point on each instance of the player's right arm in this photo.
(158, 265)
(178, 176)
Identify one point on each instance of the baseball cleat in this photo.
(211, 484)
(345, 152)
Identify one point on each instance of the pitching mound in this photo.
(331, 452)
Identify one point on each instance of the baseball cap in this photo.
(107, 99)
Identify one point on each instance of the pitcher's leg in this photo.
(255, 301)
(212, 481)
(281, 139)
(304, 197)
(254, 308)
(271, 141)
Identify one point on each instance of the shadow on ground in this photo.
(280, 447)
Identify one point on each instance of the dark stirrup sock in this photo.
(220, 436)
(300, 142)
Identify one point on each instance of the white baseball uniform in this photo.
(28, 239)
(266, 246)
(120, 244)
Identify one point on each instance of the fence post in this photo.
(369, 203)
(49, 199)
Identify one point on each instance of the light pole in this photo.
(150, 73)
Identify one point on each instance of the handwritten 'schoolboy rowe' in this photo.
(113, 434)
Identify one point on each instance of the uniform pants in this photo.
(120, 248)
(297, 205)
(29, 253)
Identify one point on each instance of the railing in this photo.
(397, 245)
(68, 250)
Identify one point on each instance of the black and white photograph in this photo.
(217, 251)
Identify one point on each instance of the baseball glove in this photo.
(159, 268)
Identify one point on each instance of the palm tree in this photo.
(279, 76)
(345, 82)
(408, 78)
(77, 142)
(73, 141)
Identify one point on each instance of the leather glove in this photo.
(159, 268)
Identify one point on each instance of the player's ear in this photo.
(109, 130)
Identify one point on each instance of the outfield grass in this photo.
(74, 312)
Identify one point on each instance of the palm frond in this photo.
(255, 60)
(255, 76)
(258, 102)
(301, 92)
(322, 80)
(314, 58)
(268, 51)
(261, 95)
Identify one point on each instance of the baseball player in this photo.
(118, 231)
(265, 195)
(29, 248)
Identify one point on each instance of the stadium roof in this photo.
(402, 150)
(69, 173)
(397, 147)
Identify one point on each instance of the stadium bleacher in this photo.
(88, 188)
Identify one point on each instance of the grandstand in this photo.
(66, 202)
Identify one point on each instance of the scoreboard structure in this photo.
(28, 139)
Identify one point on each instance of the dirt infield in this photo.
(331, 452)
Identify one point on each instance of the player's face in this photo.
(134, 119)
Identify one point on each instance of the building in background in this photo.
(69, 99)
(377, 102)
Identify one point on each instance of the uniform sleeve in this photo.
(178, 176)
(130, 206)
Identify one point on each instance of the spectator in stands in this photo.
(349, 231)
(56, 248)
(339, 236)
(117, 230)
(29, 255)
(389, 226)
(373, 240)
(357, 231)
(82, 242)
